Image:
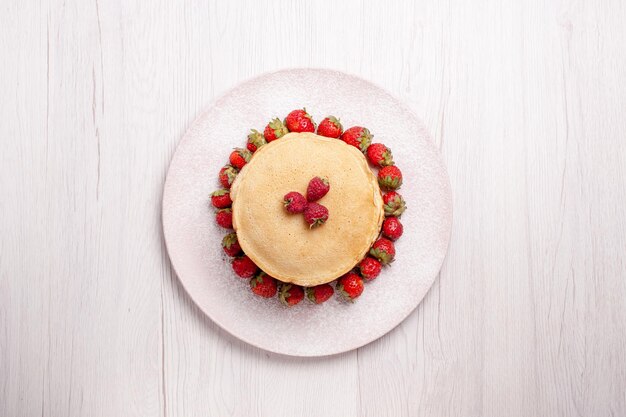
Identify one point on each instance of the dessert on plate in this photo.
(284, 246)
(307, 209)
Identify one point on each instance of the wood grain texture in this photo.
(526, 100)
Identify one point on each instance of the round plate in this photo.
(194, 240)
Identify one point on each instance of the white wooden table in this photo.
(527, 101)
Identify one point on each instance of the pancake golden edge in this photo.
(282, 244)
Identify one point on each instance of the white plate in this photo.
(194, 240)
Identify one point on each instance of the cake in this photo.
(284, 246)
(309, 204)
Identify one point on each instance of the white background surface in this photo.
(526, 100)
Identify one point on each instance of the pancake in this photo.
(282, 244)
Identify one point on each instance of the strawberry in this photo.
(221, 199)
(315, 214)
(244, 267)
(239, 157)
(275, 129)
(230, 244)
(394, 204)
(383, 250)
(294, 202)
(350, 286)
(392, 228)
(228, 173)
(390, 178)
(379, 155)
(319, 293)
(255, 140)
(330, 127)
(263, 285)
(358, 136)
(290, 294)
(318, 187)
(370, 268)
(299, 121)
(224, 217)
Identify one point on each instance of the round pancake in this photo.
(282, 244)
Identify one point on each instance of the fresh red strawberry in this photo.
(358, 136)
(330, 127)
(390, 178)
(294, 202)
(299, 121)
(230, 244)
(228, 173)
(370, 268)
(315, 214)
(290, 294)
(263, 285)
(379, 155)
(350, 286)
(239, 157)
(392, 228)
(318, 187)
(394, 204)
(255, 140)
(224, 217)
(221, 199)
(275, 129)
(383, 250)
(319, 293)
(244, 267)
